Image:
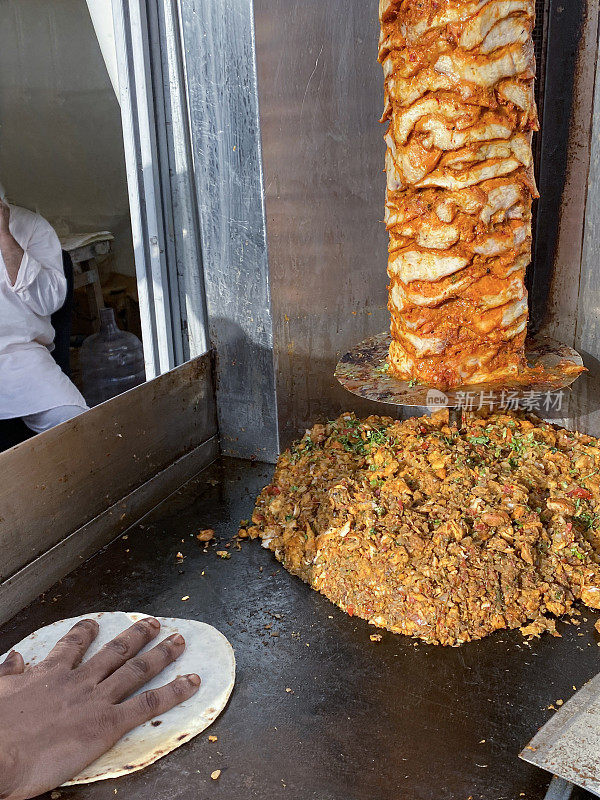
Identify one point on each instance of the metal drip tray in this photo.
(554, 367)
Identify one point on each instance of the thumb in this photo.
(12, 665)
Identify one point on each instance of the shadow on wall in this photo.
(329, 399)
(582, 403)
(564, 35)
(244, 403)
(242, 408)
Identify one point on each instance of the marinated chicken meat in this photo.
(459, 80)
(436, 534)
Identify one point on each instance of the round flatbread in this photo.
(207, 652)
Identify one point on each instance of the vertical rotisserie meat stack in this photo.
(459, 98)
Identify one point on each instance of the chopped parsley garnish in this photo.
(575, 552)
(587, 520)
(353, 445)
(378, 436)
(479, 439)
(517, 445)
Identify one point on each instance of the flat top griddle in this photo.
(395, 720)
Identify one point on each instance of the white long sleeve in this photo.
(41, 284)
(30, 379)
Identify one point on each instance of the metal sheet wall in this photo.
(220, 73)
(565, 97)
(587, 318)
(323, 154)
(565, 290)
(572, 276)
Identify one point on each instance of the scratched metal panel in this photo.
(587, 334)
(57, 482)
(574, 296)
(321, 95)
(564, 165)
(218, 43)
(588, 317)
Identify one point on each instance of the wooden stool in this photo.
(85, 267)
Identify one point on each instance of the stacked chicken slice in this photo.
(459, 98)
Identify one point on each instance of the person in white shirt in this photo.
(32, 287)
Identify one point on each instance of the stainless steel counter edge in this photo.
(38, 576)
(66, 493)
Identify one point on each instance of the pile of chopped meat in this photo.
(438, 534)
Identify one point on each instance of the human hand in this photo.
(4, 217)
(60, 715)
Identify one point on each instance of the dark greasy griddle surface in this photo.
(364, 721)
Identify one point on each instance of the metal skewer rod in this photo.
(455, 418)
(559, 789)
